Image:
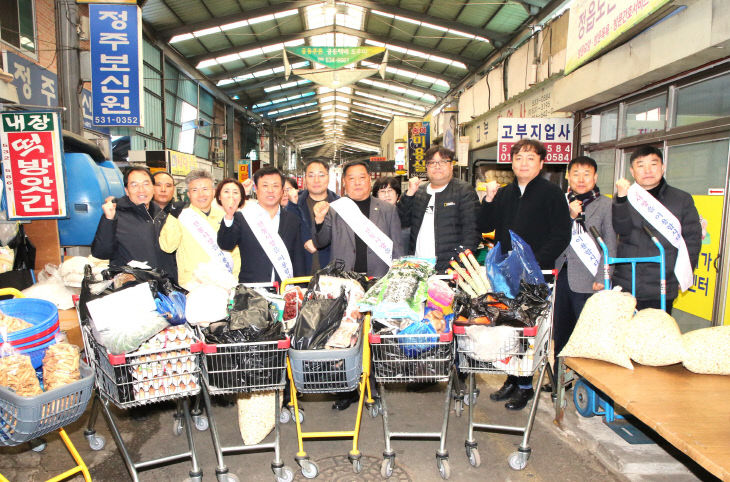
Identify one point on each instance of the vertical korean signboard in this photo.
(116, 65)
(555, 134)
(419, 141)
(32, 165)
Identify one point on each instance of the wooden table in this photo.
(690, 411)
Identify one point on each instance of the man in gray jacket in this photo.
(580, 265)
(670, 214)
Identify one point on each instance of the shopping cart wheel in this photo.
(374, 410)
(444, 468)
(469, 399)
(284, 474)
(38, 445)
(459, 406)
(357, 465)
(197, 478)
(96, 442)
(309, 469)
(518, 460)
(227, 477)
(386, 468)
(177, 427)
(473, 455)
(584, 398)
(284, 415)
(201, 423)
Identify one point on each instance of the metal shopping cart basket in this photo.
(330, 371)
(244, 368)
(408, 359)
(142, 378)
(521, 352)
(26, 419)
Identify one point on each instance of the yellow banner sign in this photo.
(181, 163)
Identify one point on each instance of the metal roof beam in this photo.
(168, 33)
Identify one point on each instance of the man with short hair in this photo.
(268, 235)
(164, 193)
(316, 176)
(363, 231)
(671, 216)
(130, 226)
(442, 213)
(535, 209)
(193, 235)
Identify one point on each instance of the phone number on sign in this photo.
(116, 120)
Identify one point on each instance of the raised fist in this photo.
(622, 187)
(109, 208)
(576, 207)
(492, 188)
(413, 184)
(320, 211)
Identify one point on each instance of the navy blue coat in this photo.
(302, 211)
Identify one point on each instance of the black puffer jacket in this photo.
(133, 234)
(455, 219)
(633, 242)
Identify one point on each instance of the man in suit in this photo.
(367, 253)
(267, 236)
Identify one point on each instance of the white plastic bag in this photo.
(50, 287)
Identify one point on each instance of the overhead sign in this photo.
(116, 65)
(32, 165)
(181, 163)
(419, 140)
(594, 24)
(335, 57)
(556, 134)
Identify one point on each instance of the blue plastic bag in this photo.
(506, 271)
(172, 308)
(412, 346)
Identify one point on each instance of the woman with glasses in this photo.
(388, 189)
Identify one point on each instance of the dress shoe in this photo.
(520, 398)
(504, 393)
(346, 401)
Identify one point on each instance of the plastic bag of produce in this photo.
(317, 321)
(653, 338)
(506, 271)
(402, 292)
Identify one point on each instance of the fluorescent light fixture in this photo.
(298, 114)
(409, 74)
(430, 25)
(400, 90)
(286, 85)
(231, 26)
(358, 112)
(379, 98)
(244, 54)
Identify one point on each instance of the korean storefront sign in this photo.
(116, 65)
(419, 140)
(594, 24)
(334, 57)
(556, 134)
(244, 170)
(32, 165)
(39, 86)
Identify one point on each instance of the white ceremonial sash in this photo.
(583, 245)
(260, 223)
(206, 237)
(376, 240)
(668, 226)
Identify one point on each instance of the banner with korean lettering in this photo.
(419, 140)
(116, 65)
(32, 165)
(594, 24)
(335, 57)
(556, 134)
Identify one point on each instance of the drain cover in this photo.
(339, 468)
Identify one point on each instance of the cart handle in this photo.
(12, 292)
(293, 281)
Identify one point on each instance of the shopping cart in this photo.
(142, 378)
(244, 368)
(413, 358)
(330, 371)
(522, 352)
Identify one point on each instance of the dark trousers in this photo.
(568, 305)
(654, 303)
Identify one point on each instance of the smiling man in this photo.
(535, 209)
(670, 214)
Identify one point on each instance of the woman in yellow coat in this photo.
(193, 237)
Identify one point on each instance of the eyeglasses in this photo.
(139, 185)
(437, 163)
(386, 190)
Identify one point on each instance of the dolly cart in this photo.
(522, 352)
(141, 378)
(587, 401)
(244, 368)
(413, 359)
(330, 371)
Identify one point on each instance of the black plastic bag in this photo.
(250, 310)
(533, 300)
(317, 321)
(24, 250)
(161, 282)
(336, 268)
(221, 333)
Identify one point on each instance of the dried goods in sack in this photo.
(17, 373)
(653, 338)
(256, 413)
(60, 365)
(707, 351)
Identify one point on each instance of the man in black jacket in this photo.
(647, 168)
(130, 226)
(441, 213)
(537, 211)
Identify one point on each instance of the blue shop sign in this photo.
(116, 65)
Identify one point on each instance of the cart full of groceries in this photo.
(44, 385)
(411, 342)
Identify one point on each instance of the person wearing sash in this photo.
(317, 178)
(534, 209)
(362, 231)
(670, 214)
(580, 266)
(442, 213)
(193, 235)
(268, 236)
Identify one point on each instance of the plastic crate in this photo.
(27, 418)
(327, 371)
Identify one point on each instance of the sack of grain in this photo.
(654, 339)
(707, 351)
(601, 328)
(256, 413)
